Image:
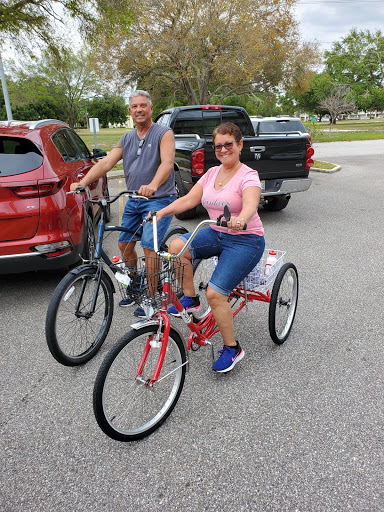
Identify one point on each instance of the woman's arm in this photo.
(251, 199)
(193, 198)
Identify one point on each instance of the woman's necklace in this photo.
(221, 183)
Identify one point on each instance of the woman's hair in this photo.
(140, 93)
(230, 128)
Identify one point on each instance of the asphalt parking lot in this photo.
(295, 428)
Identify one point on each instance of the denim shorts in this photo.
(135, 211)
(238, 255)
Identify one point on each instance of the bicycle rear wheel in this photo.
(202, 272)
(283, 304)
(125, 408)
(172, 232)
(73, 332)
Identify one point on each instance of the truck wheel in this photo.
(275, 204)
(182, 191)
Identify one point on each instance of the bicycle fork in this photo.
(153, 343)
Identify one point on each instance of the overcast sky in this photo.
(328, 21)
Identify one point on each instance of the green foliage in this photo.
(358, 61)
(108, 109)
(54, 86)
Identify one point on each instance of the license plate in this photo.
(262, 186)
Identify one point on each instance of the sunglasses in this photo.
(140, 146)
(226, 145)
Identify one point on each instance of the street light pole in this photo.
(5, 92)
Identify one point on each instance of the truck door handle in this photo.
(257, 149)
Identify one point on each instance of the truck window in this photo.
(189, 121)
(212, 118)
(163, 120)
(234, 116)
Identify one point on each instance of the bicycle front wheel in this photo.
(283, 304)
(74, 328)
(125, 407)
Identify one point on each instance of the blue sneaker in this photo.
(227, 359)
(125, 303)
(190, 304)
(139, 312)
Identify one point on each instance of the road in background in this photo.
(291, 428)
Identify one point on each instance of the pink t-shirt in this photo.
(230, 194)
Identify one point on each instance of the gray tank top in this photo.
(140, 169)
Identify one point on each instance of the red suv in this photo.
(41, 227)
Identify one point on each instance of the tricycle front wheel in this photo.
(283, 304)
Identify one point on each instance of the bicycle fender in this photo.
(81, 268)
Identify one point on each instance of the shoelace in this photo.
(224, 349)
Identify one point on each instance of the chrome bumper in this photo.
(284, 187)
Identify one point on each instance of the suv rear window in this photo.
(18, 156)
(279, 126)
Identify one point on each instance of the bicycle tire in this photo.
(173, 231)
(72, 337)
(202, 272)
(283, 303)
(125, 408)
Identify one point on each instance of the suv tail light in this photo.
(41, 188)
(308, 157)
(198, 163)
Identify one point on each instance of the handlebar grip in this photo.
(224, 224)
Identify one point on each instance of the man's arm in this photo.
(101, 168)
(167, 155)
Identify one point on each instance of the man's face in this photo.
(140, 110)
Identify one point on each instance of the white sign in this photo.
(94, 124)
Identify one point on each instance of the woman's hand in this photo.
(236, 223)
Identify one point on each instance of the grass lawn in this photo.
(347, 130)
(106, 137)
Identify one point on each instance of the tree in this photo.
(207, 50)
(35, 17)
(338, 102)
(56, 83)
(108, 109)
(358, 60)
(319, 89)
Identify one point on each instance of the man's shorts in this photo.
(135, 211)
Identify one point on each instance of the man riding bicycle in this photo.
(148, 154)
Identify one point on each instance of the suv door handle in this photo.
(257, 149)
(80, 175)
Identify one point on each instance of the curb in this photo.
(336, 168)
(114, 175)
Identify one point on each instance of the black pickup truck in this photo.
(283, 162)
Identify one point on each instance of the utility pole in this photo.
(5, 91)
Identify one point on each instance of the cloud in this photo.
(328, 21)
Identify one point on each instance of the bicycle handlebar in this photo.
(104, 201)
(203, 223)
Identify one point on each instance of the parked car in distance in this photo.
(41, 226)
(278, 125)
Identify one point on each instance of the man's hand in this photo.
(147, 190)
(74, 186)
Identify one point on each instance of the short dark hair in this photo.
(230, 128)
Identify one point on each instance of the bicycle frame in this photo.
(200, 332)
